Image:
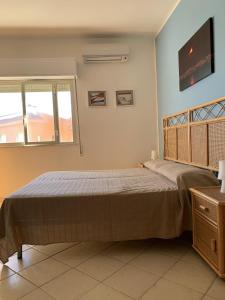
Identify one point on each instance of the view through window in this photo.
(36, 112)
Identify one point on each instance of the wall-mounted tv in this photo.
(196, 57)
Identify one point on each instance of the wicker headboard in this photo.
(196, 136)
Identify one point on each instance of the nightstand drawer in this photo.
(206, 208)
(206, 239)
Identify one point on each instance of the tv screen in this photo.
(196, 57)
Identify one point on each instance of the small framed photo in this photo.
(124, 97)
(97, 98)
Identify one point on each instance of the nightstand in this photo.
(208, 212)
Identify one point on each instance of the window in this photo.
(64, 113)
(39, 113)
(3, 138)
(36, 112)
(11, 112)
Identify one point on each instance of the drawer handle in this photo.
(213, 245)
(203, 208)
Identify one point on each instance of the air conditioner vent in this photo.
(104, 53)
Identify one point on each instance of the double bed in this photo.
(111, 205)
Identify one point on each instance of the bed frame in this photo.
(196, 136)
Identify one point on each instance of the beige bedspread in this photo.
(99, 205)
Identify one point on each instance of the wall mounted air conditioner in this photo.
(104, 53)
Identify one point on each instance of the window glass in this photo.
(65, 113)
(11, 113)
(39, 112)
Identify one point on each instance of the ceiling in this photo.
(83, 17)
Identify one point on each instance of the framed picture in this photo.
(196, 57)
(124, 97)
(97, 98)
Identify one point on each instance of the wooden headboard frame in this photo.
(196, 136)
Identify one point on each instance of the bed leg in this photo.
(20, 253)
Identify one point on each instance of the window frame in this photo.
(53, 83)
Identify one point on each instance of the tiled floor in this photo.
(147, 270)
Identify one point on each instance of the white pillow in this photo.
(178, 172)
(155, 165)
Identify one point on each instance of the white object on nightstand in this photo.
(221, 175)
(153, 155)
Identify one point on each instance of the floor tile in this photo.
(37, 294)
(30, 257)
(5, 271)
(129, 270)
(193, 257)
(71, 285)
(165, 289)
(44, 271)
(175, 247)
(102, 292)
(154, 262)
(26, 247)
(131, 281)
(80, 253)
(217, 290)
(197, 277)
(54, 248)
(100, 267)
(14, 287)
(126, 251)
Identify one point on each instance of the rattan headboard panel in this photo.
(165, 143)
(172, 143)
(199, 136)
(182, 144)
(196, 136)
(216, 143)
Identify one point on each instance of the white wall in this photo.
(112, 137)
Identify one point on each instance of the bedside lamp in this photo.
(153, 155)
(221, 175)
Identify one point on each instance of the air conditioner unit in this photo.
(104, 53)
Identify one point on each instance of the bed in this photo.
(112, 205)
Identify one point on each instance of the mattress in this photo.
(90, 183)
(108, 205)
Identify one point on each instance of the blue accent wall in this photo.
(187, 18)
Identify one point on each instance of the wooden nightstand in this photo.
(208, 211)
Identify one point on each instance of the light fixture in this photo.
(190, 51)
(221, 175)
